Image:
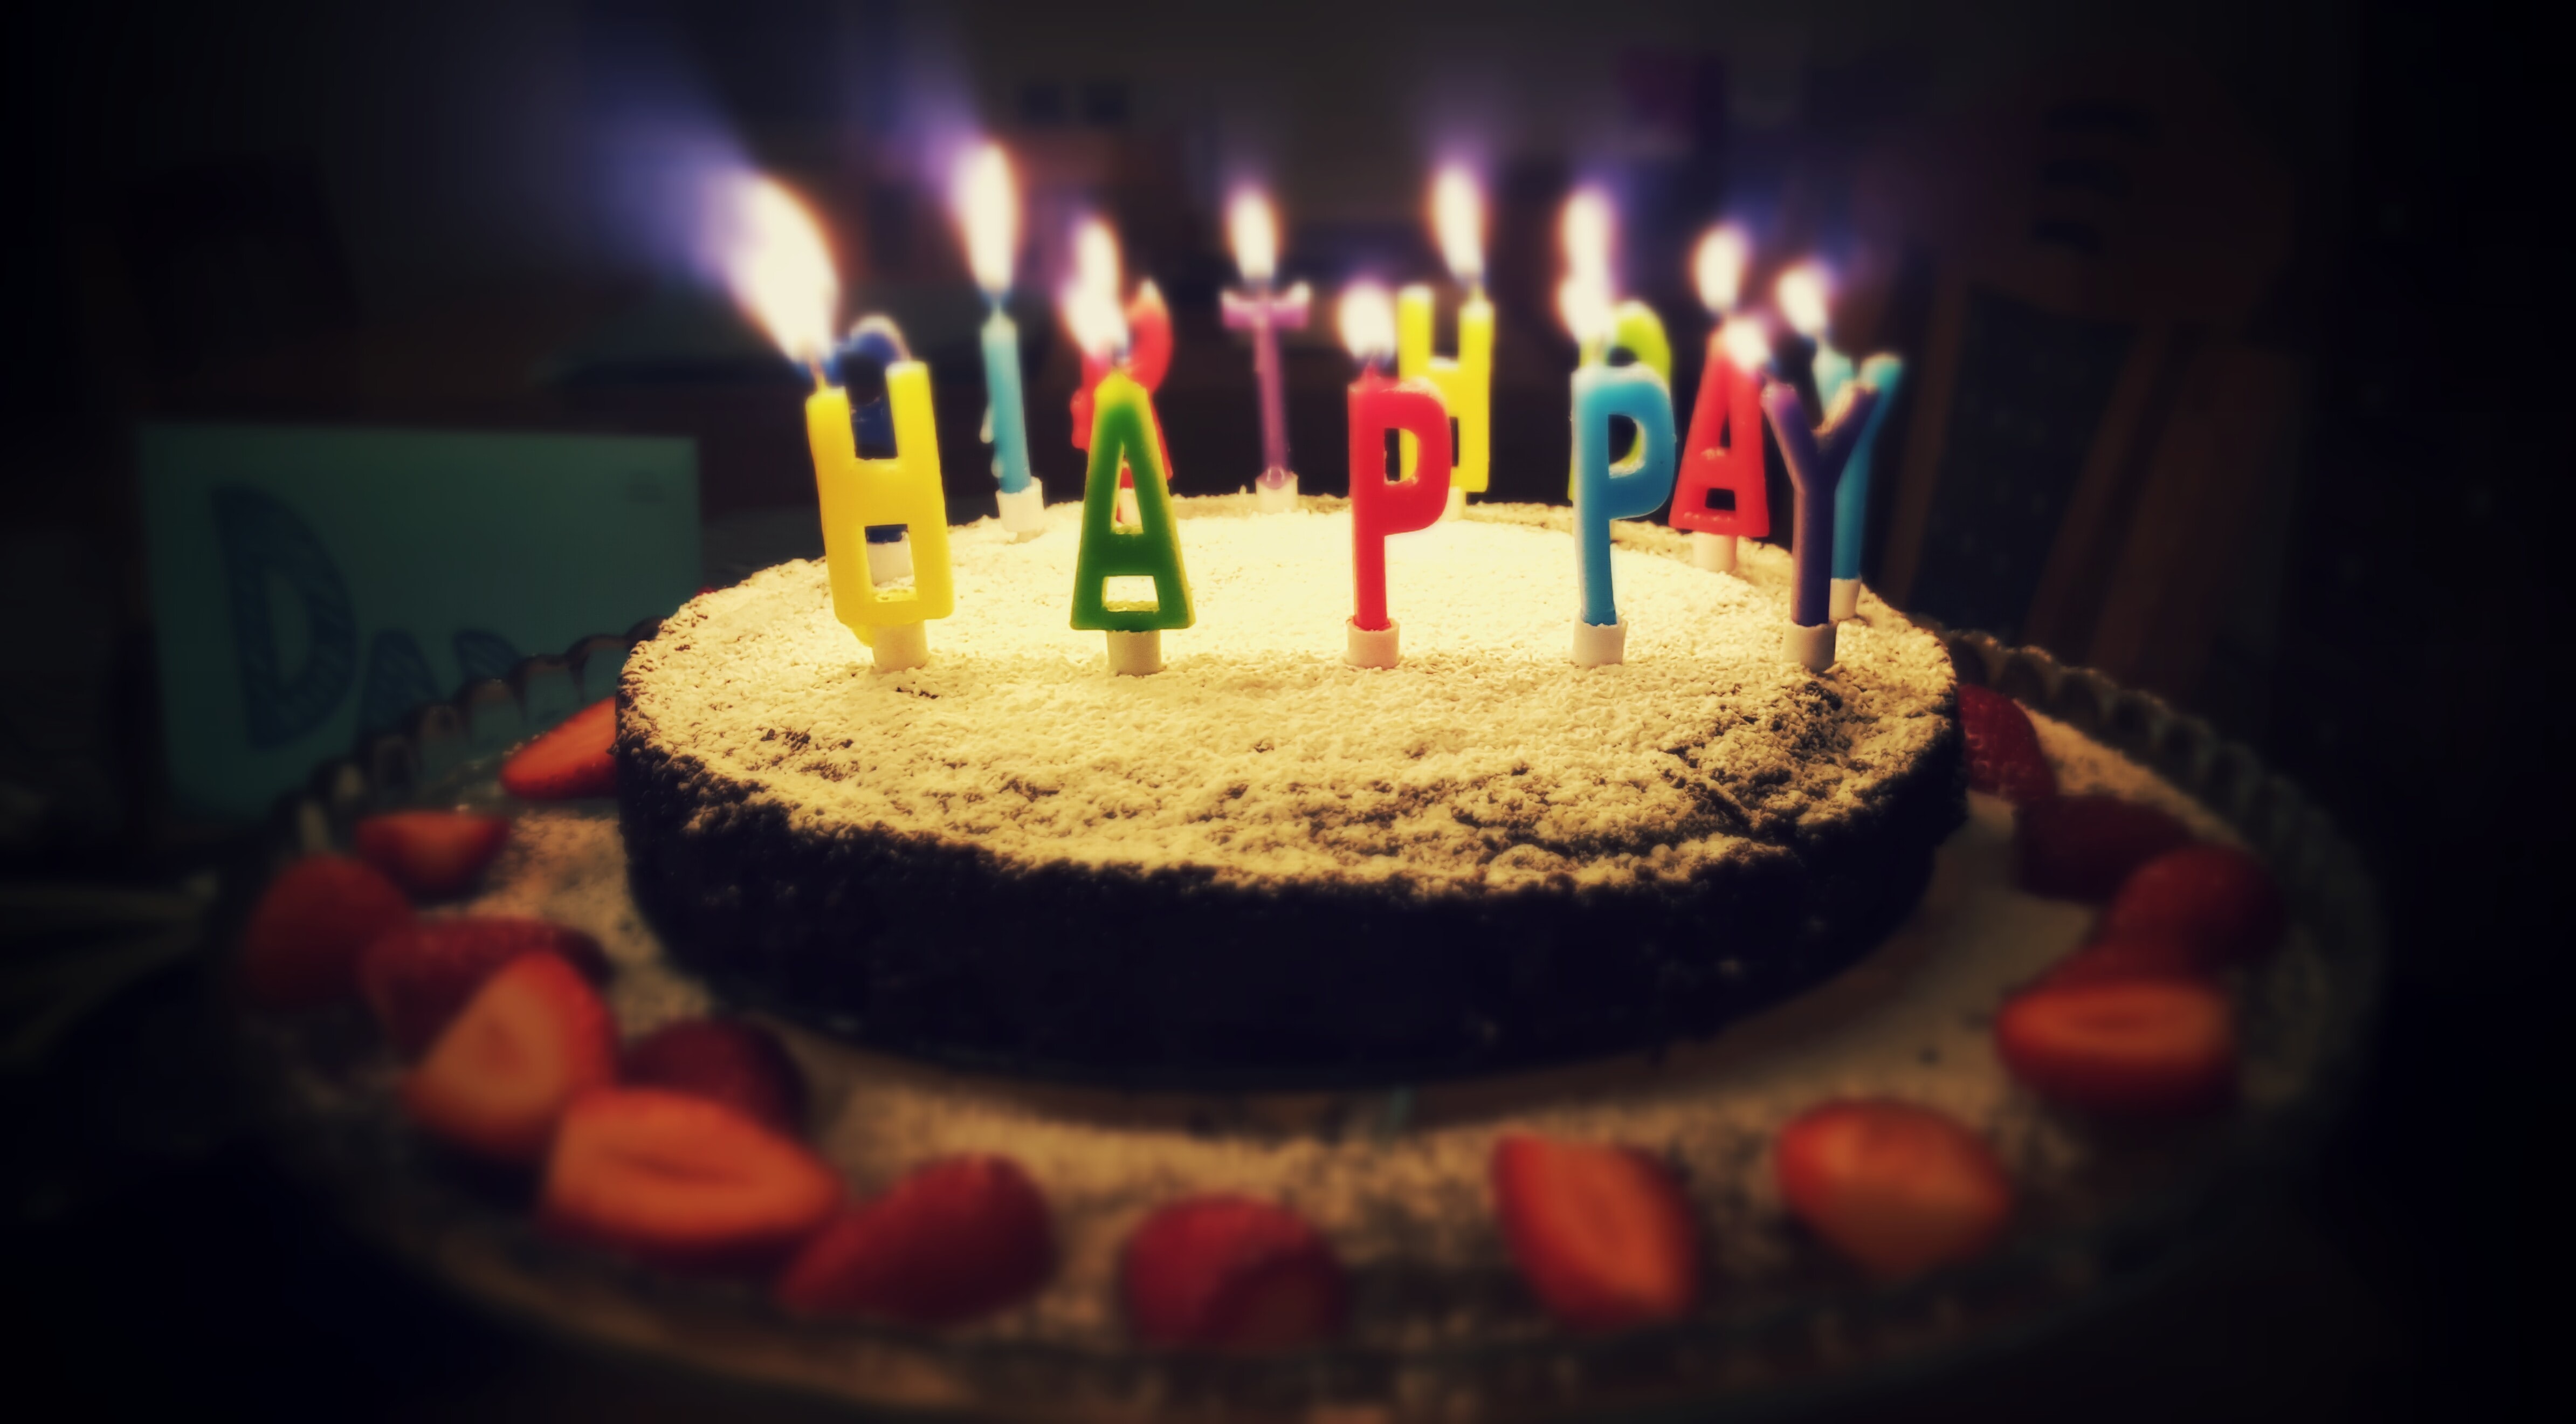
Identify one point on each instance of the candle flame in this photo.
(781, 271)
(1095, 257)
(1585, 309)
(1585, 230)
(1256, 236)
(1719, 267)
(1368, 322)
(1458, 216)
(1746, 343)
(1802, 294)
(989, 208)
(1090, 301)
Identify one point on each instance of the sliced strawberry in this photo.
(1603, 1234)
(2130, 1046)
(682, 1181)
(2082, 847)
(1896, 1187)
(1230, 1273)
(300, 946)
(956, 1238)
(532, 1039)
(417, 976)
(729, 1060)
(2216, 898)
(2129, 956)
(2003, 747)
(577, 758)
(432, 854)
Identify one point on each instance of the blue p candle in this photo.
(1603, 491)
(1880, 376)
(1816, 460)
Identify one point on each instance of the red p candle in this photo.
(1381, 506)
(1724, 451)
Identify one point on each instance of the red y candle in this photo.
(1381, 506)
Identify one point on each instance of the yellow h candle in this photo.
(1465, 382)
(902, 488)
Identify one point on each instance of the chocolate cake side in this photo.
(1170, 977)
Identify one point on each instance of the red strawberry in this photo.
(1230, 1273)
(529, 1042)
(2082, 847)
(729, 1060)
(300, 946)
(1895, 1187)
(682, 1181)
(431, 853)
(2129, 956)
(1603, 1234)
(2215, 898)
(2003, 747)
(417, 976)
(957, 1238)
(2132, 1046)
(577, 758)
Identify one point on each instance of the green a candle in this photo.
(1125, 432)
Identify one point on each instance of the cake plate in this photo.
(1775, 1338)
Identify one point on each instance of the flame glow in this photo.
(1095, 258)
(1585, 310)
(1368, 322)
(1746, 343)
(1458, 216)
(1090, 301)
(1585, 230)
(1718, 267)
(781, 271)
(989, 208)
(1255, 234)
(1802, 293)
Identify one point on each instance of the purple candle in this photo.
(1816, 461)
(1256, 308)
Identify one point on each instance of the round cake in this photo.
(1261, 866)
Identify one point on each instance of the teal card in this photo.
(312, 586)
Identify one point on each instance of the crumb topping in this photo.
(1487, 760)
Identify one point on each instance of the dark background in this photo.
(461, 216)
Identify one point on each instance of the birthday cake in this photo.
(1262, 866)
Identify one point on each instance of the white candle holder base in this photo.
(1127, 514)
(1371, 648)
(1136, 654)
(899, 646)
(1280, 498)
(1810, 648)
(1713, 552)
(1024, 512)
(1600, 644)
(1843, 601)
(1457, 504)
(889, 563)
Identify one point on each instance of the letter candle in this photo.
(1816, 460)
(1144, 332)
(1128, 460)
(1880, 376)
(1630, 326)
(780, 269)
(1256, 309)
(1724, 449)
(875, 339)
(1416, 499)
(1466, 383)
(989, 212)
(1603, 491)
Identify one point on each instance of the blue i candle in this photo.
(990, 212)
(1604, 491)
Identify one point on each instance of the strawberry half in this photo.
(1895, 1187)
(957, 1238)
(416, 977)
(1604, 1235)
(300, 946)
(2128, 956)
(681, 1181)
(432, 854)
(2082, 847)
(530, 1041)
(1230, 1273)
(2215, 898)
(2141, 1046)
(577, 758)
(731, 1061)
(2003, 747)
